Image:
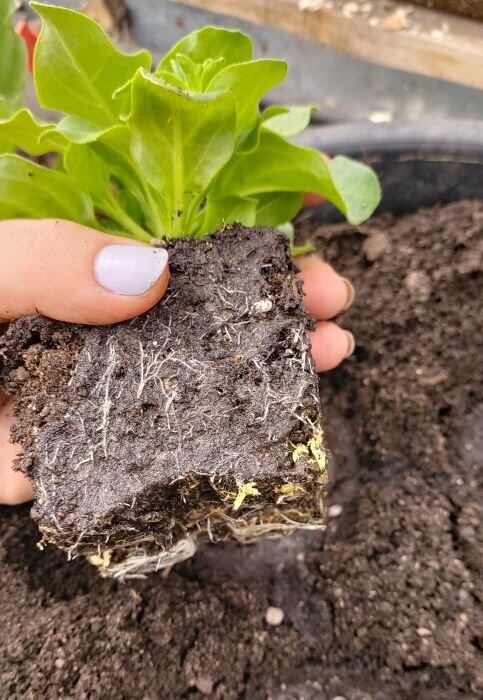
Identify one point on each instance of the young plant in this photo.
(171, 152)
(202, 417)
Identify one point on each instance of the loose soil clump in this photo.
(387, 603)
(200, 417)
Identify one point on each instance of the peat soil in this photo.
(139, 434)
(387, 604)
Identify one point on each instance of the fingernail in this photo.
(351, 294)
(351, 343)
(129, 269)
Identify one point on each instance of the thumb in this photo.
(73, 273)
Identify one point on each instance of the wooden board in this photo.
(398, 35)
(469, 8)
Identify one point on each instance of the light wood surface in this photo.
(398, 35)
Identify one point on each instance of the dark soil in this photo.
(141, 434)
(387, 604)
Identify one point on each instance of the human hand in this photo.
(72, 273)
(326, 294)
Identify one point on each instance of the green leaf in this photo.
(32, 135)
(277, 165)
(6, 8)
(358, 187)
(13, 56)
(180, 141)
(228, 210)
(111, 145)
(211, 43)
(276, 208)
(107, 150)
(95, 176)
(6, 146)
(114, 147)
(132, 206)
(304, 249)
(288, 230)
(30, 191)
(88, 170)
(287, 121)
(77, 68)
(77, 130)
(248, 82)
(184, 73)
(166, 155)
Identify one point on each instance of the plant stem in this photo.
(153, 210)
(118, 214)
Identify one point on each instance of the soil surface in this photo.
(387, 604)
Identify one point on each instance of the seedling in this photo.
(201, 418)
(167, 153)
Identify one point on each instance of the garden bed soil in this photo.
(387, 603)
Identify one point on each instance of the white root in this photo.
(102, 389)
(138, 564)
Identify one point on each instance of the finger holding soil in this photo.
(326, 293)
(14, 485)
(211, 395)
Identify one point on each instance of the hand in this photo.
(327, 294)
(72, 273)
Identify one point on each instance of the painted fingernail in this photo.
(129, 269)
(351, 293)
(351, 343)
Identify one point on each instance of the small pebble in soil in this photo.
(96, 626)
(375, 245)
(334, 511)
(418, 285)
(204, 684)
(262, 307)
(423, 632)
(274, 616)
(59, 663)
(21, 374)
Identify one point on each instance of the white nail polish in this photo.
(129, 269)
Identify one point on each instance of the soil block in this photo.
(200, 417)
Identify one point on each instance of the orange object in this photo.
(30, 36)
(312, 200)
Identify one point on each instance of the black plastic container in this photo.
(418, 163)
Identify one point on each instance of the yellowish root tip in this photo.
(248, 489)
